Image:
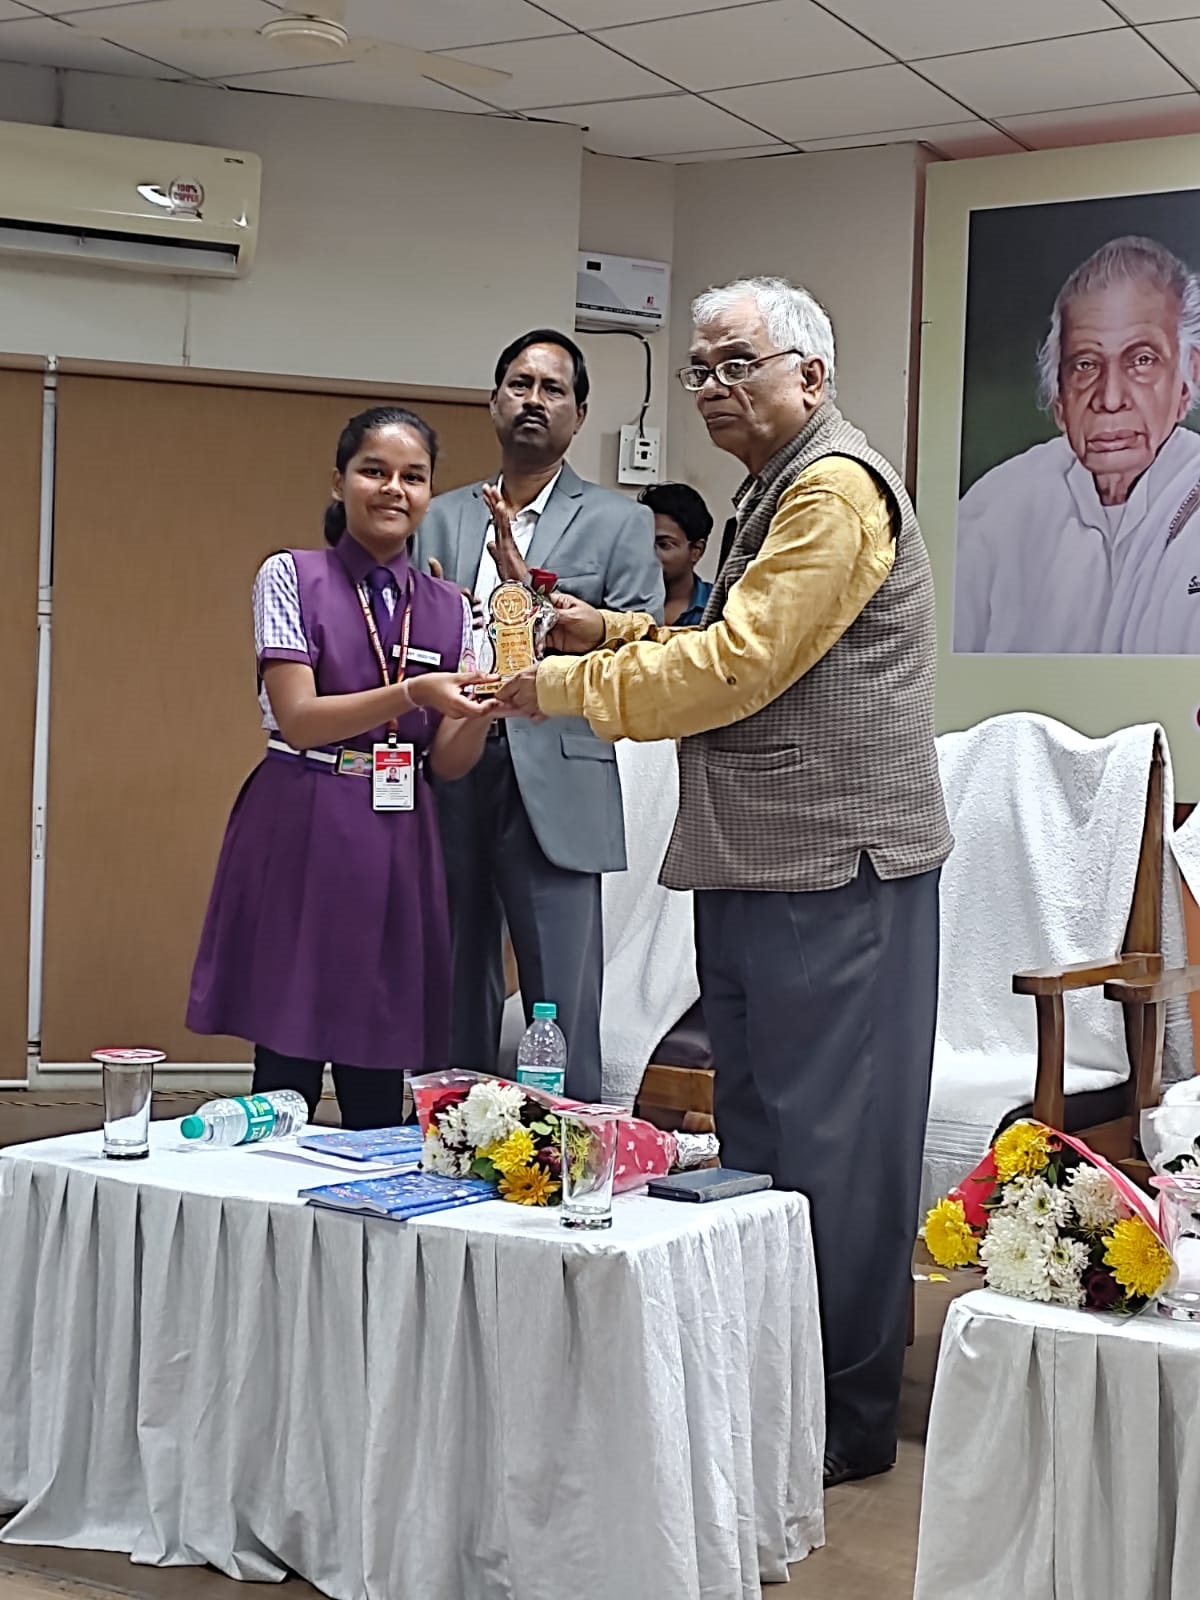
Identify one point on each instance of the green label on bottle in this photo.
(260, 1117)
(548, 1079)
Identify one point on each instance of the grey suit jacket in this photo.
(601, 546)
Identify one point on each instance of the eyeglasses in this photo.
(727, 373)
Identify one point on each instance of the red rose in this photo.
(542, 580)
(1101, 1290)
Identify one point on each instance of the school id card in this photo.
(393, 777)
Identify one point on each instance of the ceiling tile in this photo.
(1159, 10)
(357, 80)
(592, 14)
(450, 24)
(939, 27)
(156, 29)
(742, 153)
(1137, 119)
(63, 8)
(655, 126)
(874, 99)
(570, 70)
(721, 48)
(1180, 43)
(1055, 74)
(955, 139)
(43, 42)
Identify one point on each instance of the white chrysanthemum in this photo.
(1043, 1203)
(1094, 1196)
(452, 1126)
(1068, 1258)
(1016, 1257)
(436, 1158)
(491, 1111)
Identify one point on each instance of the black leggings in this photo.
(368, 1097)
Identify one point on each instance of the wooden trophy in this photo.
(513, 613)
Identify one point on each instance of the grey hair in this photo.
(792, 317)
(1131, 259)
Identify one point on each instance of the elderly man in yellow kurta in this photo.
(811, 822)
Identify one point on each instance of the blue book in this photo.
(396, 1145)
(410, 1194)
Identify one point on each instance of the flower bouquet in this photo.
(511, 1136)
(1048, 1219)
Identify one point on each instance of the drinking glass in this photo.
(128, 1080)
(589, 1161)
(1179, 1210)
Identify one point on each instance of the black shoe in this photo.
(839, 1471)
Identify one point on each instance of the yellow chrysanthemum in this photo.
(513, 1153)
(1140, 1262)
(529, 1186)
(1021, 1151)
(948, 1236)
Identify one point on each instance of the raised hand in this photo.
(510, 563)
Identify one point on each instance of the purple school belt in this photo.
(340, 761)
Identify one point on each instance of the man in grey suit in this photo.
(529, 831)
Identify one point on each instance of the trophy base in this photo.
(484, 691)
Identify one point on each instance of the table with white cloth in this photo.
(195, 1366)
(1063, 1456)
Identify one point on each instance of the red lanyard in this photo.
(404, 599)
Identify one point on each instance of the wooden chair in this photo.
(676, 1098)
(1108, 1119)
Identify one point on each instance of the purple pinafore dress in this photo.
(327, 934)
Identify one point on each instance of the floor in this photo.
(871, 1527)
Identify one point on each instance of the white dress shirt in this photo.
(1042, 568)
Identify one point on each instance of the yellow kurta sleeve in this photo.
(829, 548)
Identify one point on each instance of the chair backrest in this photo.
(1053, 864)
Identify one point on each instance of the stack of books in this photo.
(404, 1195)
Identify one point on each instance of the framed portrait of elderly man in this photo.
(1079, 472)
(1059, 437)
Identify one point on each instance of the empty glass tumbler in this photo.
(1179, 1211)
(589, 1161)
(128, 1080)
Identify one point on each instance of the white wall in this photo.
(627, 208)
(407, 247)
(843, 223)
(395, 246)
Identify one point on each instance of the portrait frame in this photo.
(1094, 693)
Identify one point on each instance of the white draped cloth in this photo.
(196, 1367)
(1048, 828)
(1063, 1458)
(649, 940)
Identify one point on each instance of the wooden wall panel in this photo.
(20, 466)
(168, 498)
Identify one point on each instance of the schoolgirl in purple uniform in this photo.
(327, 935)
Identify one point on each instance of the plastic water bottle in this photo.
(542, 1052)
(247, 1119)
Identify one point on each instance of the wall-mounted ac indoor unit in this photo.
(136, 203)
(620, 292)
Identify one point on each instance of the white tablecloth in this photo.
(196, 1367)
(1063, 1456)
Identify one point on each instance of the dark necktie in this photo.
(377, 581)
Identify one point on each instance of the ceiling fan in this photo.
(317, 37)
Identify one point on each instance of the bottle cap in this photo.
(192, 1127)
(545, 1011)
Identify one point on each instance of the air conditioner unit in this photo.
(136, 203)
(620, 292)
